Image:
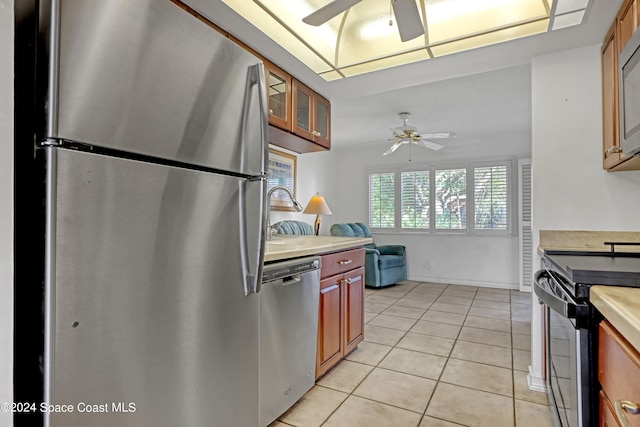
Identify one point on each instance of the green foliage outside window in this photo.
(436, 200)
(451, 199)
(415, 199)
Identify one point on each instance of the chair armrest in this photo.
(370, 251)
(392, 250)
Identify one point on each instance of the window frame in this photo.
(470, 167)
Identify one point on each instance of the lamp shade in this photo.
(318, 206)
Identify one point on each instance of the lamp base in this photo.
(316, 225)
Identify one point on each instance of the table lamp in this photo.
(318, 206)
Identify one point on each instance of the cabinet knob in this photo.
(624, 407)
(612, 150)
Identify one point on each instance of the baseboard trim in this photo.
(536, 383)
(452, 281)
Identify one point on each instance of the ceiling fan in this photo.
(406, 134)
(406, 13)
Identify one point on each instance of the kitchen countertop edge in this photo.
(621, 307)
(324, 244)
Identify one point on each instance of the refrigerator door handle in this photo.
(256, 76)
(251, 265)
(254, 262)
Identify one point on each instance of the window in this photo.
(436, 199)
(451, 199)
(382, 200)
(491, 197)
(415, 199)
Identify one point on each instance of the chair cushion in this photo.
(352, 229)
(291, 227)
(390, 261)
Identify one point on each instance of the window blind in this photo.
(414, 195)
(451, 199)
(491, 197)
(382, 200)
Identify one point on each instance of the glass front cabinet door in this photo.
(302, 114)
(311, 115)
(322, 119)
(279, 87)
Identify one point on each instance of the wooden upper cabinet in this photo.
(279, 96)
(618, 35)
(627, 23)
(302, 110)
(298, 111)
(322, 118)
(311, 115)
(610, 126)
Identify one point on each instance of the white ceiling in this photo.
(476, 93)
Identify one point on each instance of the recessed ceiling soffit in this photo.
(365, 37)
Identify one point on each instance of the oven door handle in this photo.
(561, 306)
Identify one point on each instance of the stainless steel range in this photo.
(562, 285)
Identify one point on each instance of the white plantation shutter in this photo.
(434, 200)
(491, 197)
(414, 196)
(526, 240)
(382, 200)
(451, 199)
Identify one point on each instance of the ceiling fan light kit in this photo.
(406, 134)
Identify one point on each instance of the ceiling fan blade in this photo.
(430, 144)
(408, 19)
(435, 135)
(329, 11)
(393, 148)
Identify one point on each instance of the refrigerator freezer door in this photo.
(147, 77)
(146, 308)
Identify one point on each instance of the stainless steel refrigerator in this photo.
(156, 159)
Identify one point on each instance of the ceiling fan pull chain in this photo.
(390, 20)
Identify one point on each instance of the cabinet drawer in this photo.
(607, 417)
(340, 262)
(618, 368)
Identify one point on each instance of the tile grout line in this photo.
(366, 376)
(447, 358)
(438, 382)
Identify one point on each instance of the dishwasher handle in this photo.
(291, 280)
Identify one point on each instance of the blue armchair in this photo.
(292, 227)
(384, 265)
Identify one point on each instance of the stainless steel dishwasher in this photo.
(288, 333)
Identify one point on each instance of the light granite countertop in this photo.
(621, 307)
(583, 240)
(284, 247)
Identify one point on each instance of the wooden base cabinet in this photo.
(341, 313)
(619, 376)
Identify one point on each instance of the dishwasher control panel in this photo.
(283, 269)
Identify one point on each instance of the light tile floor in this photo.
(434, 355)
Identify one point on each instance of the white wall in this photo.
(570, 190)
(6, 206)
(446, 258)
(314, 175)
